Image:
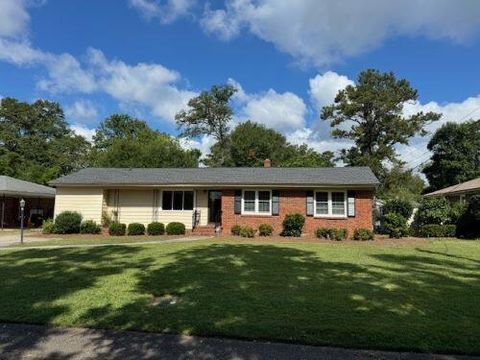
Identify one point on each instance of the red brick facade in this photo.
(294, 201)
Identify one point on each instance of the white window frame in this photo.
(183, 199)
(330, 207)
(256, 212)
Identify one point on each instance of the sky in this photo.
(287, 58)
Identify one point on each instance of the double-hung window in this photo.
(177, 200)
(331, 203)
(257, 202)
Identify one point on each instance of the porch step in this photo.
(204, 230)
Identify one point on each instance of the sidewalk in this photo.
(39, 342)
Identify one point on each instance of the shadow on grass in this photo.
(419, 301)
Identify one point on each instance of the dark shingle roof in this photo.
(14, 187)
(337, 176)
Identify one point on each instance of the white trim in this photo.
(330, 207)
(256, 212)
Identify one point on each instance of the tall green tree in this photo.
(36, 142)
(456, 155)
(123, 141)
(250, 143)
(401, 184)
(209, 114)
(370, 113)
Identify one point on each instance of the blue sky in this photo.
(288, 58)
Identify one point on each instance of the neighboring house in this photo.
(204, 198)
(460, 192)
(39, 202)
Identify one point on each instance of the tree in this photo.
(456, 155)
(123, 141)
(37, 144)
(402, 184)
(209, 114)
(250, 143)
(370, 113)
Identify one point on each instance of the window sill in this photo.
(331, 217)
(255, 215)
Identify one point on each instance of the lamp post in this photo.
(22, 210)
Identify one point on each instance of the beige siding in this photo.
(135, 206)
(86, 201)
(202, 206)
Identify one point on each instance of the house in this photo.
(39, 202)
(205, 198)
(460, 192)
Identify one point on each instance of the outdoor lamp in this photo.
(22, 208)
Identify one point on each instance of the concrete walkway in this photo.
(19, 341)
(12, 237)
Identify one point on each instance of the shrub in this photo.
(236, 230)
(468, 225)
(395, 225)
(136, 229)
(432, 210)
(155, 228)
(456, 211)
(340, 234)
(265, 230)
(117, 229)
(90, 227)
(175, 228)
(331, 233)
(68, 222)
(397, 206)
(323, 233)
(106, 218)
(247, 231)
(363, 234)
(293, 225)
(436, 230)
(48, 226)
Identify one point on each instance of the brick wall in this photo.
(293, 201)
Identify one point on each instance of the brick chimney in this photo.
(267, 163)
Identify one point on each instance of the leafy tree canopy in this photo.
(399, 183)
(37, 144)
(456, 155)
(370, 113)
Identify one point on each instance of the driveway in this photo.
(11, 237)
(39, 342)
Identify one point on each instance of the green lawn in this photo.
(411, 297)
(92, 240)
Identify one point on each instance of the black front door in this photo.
(214, 206)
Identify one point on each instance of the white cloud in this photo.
(81, 110)
(165, 11)
(14, 18)
(324, 88)
(84, 131)
(203, 144)
(322, 32)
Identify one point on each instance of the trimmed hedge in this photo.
(363, 234)
(235, 230)
(136, 229)
(332, 233)
(293, 225)
(155, 228)
(175, 228)
(395, 225)
(117, 229)
(247, 231)
(265, 230)
(90, 227)
(436, 230)
(68, 222)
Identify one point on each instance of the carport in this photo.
(39, 202)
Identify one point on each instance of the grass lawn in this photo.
(422, 296)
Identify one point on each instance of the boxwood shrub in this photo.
(331, 233)
(117, 229)
(293, 225)
(363, 234)
(436, 230)
(265, 230)
(175, 228)
(155, 228)
(68, 222)
(324, 233)
(247, 231)
(90, 227)
(136, 229)
(235, 230)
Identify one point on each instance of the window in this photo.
(177, 200)
(330, 203)
(257, 201)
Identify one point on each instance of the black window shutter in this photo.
(309, 203)
(275, 202)
(351, 203)
(237, 208)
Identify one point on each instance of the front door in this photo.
(214, 206)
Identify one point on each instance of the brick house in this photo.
(209, 199)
